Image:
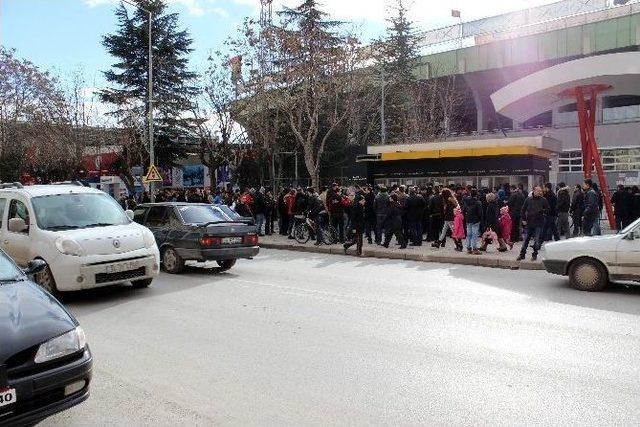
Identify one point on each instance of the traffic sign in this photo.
(153, 175)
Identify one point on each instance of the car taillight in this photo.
(251, 239)
(210, 241)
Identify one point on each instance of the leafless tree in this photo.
(37, 131)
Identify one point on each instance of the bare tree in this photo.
(37, 132)
(222, 141)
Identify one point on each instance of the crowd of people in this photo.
(471, 218)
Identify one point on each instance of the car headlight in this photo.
(68, 246)
(149, 239)
(65, 344)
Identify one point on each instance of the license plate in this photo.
(231, 240)
(7, 397)
(118, 268)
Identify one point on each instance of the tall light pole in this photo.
(149, 94)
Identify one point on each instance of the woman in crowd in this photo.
(492, 225)
(458, 234)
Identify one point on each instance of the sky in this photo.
(63, 36)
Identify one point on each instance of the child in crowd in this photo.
(505, 226)
(458, 235)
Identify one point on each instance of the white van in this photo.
(84, 236)
(591, 262)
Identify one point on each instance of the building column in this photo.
(480, 122)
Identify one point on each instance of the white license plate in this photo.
(7, 397)
(231, 240)
(117, 268)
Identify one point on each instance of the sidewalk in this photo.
(425, 253)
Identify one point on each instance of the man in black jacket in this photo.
(577, 209)
(393, 223)
(620, 201)
(381, 208)
(369, 213)
(591, 207)
(436, 208)
(414, 208)
(515, 202)
(563, 206)
(533, 215)
(473, 215)
(336, 210)
(550, 229)
(357, 221)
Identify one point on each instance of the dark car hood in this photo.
(29, 316)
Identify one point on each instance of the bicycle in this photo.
(303, 231)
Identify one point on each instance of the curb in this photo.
(438, 258)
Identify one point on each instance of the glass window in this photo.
(17, 209)
(8, 270)
(157, 217)
(3, 204)
(138, 215)
(69, 211)
(199, 214)
(174, 221)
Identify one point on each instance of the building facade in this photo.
(501, 50)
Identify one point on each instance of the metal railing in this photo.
(562, 14)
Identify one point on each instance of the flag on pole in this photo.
(455, 13)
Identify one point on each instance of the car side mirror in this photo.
(631, 235)
(35, 266)
(129, 213)
(17, 225)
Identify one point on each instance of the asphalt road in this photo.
(306, 339)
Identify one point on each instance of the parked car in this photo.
(198, 232)
(84, 236)
(591, 262)
(45, 362)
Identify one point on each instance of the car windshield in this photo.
(630, 227)
(8, 270)
(70, 211)
(200, 214)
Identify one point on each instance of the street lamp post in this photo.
(149, 94)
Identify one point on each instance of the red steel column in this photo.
(584, 122)
(590, 154)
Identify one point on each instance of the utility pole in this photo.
(383, 125)
(149, 94)
(152, 195)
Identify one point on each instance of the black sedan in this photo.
(45, 363)
(198, 232)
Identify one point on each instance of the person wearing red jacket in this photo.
(289, 201)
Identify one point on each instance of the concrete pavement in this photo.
(294, 338)
(424, 253)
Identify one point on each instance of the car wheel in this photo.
(140, 284)
(172, 262)
(586, 274)
(46, 280)
(226, 264)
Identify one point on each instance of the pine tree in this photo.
(399, 52)
(173, 83)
